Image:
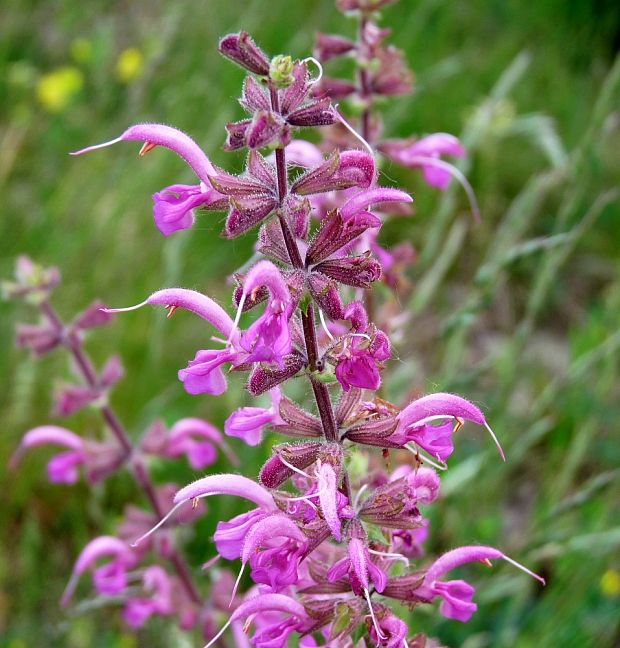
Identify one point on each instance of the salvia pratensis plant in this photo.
(335, 556)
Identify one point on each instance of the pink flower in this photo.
(272, 632)
(268, 339)
(158, 584)
(225, 484)
(457, 595)
(423, 153)
(173, 206)
(364, 199)
(109, 578)
(63, 467)
(198, 440)
(274, 546)
(358, 359)
(247, 423)
(415, 423)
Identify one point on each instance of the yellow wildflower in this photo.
(129, 65)
(610, 583)
(57, 89)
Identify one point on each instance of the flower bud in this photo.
(317, 113)
(359, 271)
(274, 473)
(325, 293)
(281, 71)
(241, 49)
(265, 377)
(330, 46)
(336, 232)
(254, 96)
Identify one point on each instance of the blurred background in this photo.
(519, 313)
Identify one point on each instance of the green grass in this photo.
(519, 313)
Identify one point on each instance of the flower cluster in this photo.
(328, 550)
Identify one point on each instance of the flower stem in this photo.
(321, 393)
(73, 343)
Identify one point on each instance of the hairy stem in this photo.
(321, 393)
(72, 342)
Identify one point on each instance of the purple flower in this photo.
(273, 632)
(158, 584)
(63, 467)
(225, 484)
(391, 632)
(358, 359)
(327, 484)
(247, 423)
(364, 199)
(230, 536)
(358, 565)
(268, 339)
(274, 546)
(203, 374)
(415, 423)
(173, 207)
(423, 152)
(457, 595)
(109, 578)
(198, 440)
(171, 138)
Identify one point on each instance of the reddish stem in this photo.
(73, 343)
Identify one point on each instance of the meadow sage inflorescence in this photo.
(329, 551)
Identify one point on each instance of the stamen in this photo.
(324, 325)
(459, 424)
(94, 147)
(126, 309)
(319, 67)
(304, 499)
(487, 562)
(234, 592)
(211, 562)
(146, 147)
(388, 554)
(215, 338)
(380, 635)
(425, 459)
(219, 634)
(294, 469)
(358, 495)
(523, 568)
(171, 310)
(233, 330)
(352, 130)
(499, 447)
(456, 174)
(430, 419)
(364, 335)
(71, 585)
(166, 517)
